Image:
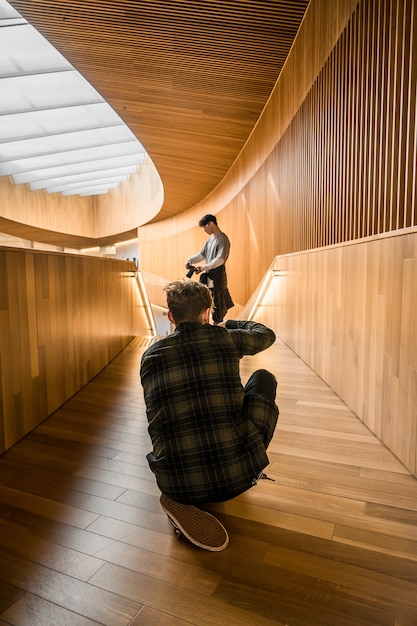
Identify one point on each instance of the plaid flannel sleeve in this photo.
(250, 337)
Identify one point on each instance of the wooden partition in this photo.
(80, 222)
(333, 157)
(264, 187)
(349, 312)
(62, 319)
(331, 160)
(327, 183)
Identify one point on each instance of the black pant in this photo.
(263, 383)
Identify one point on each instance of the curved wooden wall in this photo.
(62, 319)
(336, 194)
(343, 165)
(333, 159)
(80, 222)
(247, 202)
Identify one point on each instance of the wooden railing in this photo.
(349, 312)
(63, 318)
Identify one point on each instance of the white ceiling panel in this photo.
(45, 91)
(24, 51)
(54, 125)
(86, 177)
(55, 121)
(70, 157)
(49, 144)
(78, 168)
(85, 184)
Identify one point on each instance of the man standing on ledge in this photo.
(213, 274)
(209, 433)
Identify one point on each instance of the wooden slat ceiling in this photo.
(189, 77)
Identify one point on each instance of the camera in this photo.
(191, 270)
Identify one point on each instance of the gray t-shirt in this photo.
(215, 252)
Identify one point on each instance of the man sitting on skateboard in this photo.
(209, 433)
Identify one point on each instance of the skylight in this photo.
(56, 132)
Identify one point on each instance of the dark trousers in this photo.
(263, 383)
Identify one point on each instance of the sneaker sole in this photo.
(201, 528)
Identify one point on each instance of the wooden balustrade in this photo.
(63, 318)
(349, 312)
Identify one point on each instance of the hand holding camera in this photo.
(191, 270)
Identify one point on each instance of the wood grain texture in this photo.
(331, 541)
(348, 311)
(333, 157)
(76, 222)
(189, 80)
(62, 319)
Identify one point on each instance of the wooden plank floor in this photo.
(83, 540)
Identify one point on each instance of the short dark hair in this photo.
(187, 300)
(207, 219)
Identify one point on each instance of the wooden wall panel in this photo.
(81, 222)
(334, 200)
(46, 211)
(62, 319)
(349, 312)
(343, 162)
(326, 181)
(244, 199)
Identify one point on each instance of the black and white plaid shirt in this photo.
(207, 437)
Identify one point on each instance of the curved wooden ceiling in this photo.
(189, 77)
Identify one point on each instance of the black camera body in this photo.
(191, 270)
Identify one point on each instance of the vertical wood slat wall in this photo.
(345, 167)
(350, 153)
(347, 305)
(62, 319)
(337, 197)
